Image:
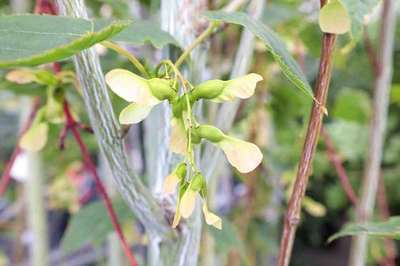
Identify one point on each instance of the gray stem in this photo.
(377, 128)
(37, 218)
(107, 132)
(179, 18)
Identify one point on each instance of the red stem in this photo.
(72, 126)
(292, 217)
(371, 53)
(384, 212)
(336, 161)
(6, 177)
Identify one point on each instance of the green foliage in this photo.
(357, 10)
(140, 33)
(228, 239)
(34, 40)
(349, 138)
(389, 228)
(91, 225)
(352, 105)
(273, 43)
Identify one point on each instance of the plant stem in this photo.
(128, 55)
(36, 207)
(384, 212)
(71, 125)
(107, 132)
(204, 35)
(377, 128)
(292, 217)
(336, 161)
(6, 177)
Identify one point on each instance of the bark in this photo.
(377, 128)
(292, 217)
(107, 132)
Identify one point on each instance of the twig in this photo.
(378, 123)
(72, 126)
(107, 132)
(336, 161)
(371, 53)
(128, 55)
(6, 177)
(204, 35)
(292, 218)
(384, 212)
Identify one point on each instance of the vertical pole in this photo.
(377, 128)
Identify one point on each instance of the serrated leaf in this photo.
(334, 18)
(29, 40)
(389, 228)
(273, 43)
(140, 33)
(357, 10)
(91, 225)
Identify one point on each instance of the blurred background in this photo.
(55, 190)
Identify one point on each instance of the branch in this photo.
(6, 176)
(371, 53)
(384, 212)
(72, 126)
(336, 161)
(107, 132)
(292, 217)
(377, 128)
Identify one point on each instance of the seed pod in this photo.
(197, 183)
(210, 133)
(207, 90)
(161, 89)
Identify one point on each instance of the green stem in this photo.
(204, 35)
(178, 75)
(128, 55)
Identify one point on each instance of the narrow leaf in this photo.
(389, 228)
(32, 39)
(140, 33)
(91, 225)
(274, 44)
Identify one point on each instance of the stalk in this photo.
(377, 128)
(337, 163)
(6, 177)
(108, 134)
(292, 217)
(37, 218)
(71, 125)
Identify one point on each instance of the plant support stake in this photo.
(292, 217)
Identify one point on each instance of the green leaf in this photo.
(141, 32)
(352, 105)
(92, 225)
(228, 239)
(389, 228)
(274, 44)
(350, 138)
(29, 40)
(357, 10)
(334, 18)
